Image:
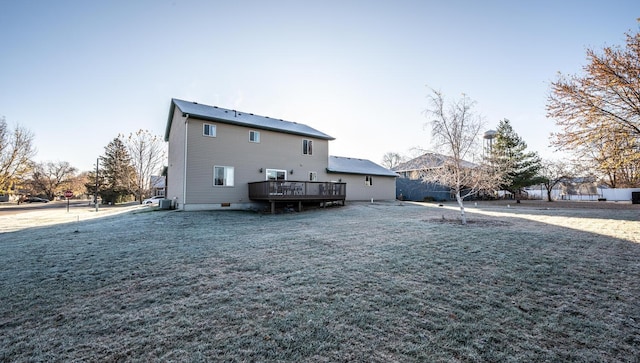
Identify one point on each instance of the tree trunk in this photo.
(548, 195)
(463, 217)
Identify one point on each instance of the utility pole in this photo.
(95, 197)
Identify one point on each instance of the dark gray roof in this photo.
(223, 115)
(428, 161)
(343, 165)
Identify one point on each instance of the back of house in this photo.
(215, 153)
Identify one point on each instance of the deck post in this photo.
(273, 207)
(299, 206)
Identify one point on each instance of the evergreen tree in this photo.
(509, 152)
(118, 172)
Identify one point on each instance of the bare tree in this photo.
(602, 109)
(52, 178)
(77, 184)
(457, 131)
(616, 159)
(147, 156)
(553, 173)
(391, 159)
(16, 152)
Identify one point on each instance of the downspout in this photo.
(184, 168)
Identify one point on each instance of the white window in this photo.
(209, 130)
(313, 176)
(276, 174)
(307, 147)
(368, 180)
(223, 176)
(254, 136)
(277, 177)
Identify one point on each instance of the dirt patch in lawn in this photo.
(375, 282)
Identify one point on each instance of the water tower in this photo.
(488, 137)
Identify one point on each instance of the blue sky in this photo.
(78, 73)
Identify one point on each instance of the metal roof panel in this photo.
(219, 114)
(344, 165)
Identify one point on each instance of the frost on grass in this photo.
(365, 282)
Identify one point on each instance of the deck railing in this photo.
(297, 191)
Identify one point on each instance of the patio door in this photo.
(278, 176)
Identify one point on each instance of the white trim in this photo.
(266, 173)
(184, 166)
(307, 147)
(211, 127)
(256, 133)
(229, 176)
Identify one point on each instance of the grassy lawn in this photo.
(365, 282)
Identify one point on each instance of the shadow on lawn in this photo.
(367, 282)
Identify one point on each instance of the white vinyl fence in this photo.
(621, 194)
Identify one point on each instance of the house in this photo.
(578, 188)
(221, 158)
(365, 179)
(417, 168)
(157, 185)
(411, 185)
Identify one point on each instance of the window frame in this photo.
(228, 178)
(255, 140)
(307, 147)
(368, 180)
(211, 127)
(277, 172)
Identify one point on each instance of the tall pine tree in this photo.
(509, 152)
(118, 172)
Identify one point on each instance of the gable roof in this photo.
(233, 117)
(428, 161)
(344, 165)
(157, 181)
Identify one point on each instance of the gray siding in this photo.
(231, 147)
(192, 157)
(383, 188)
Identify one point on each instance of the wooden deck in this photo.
(297, 191)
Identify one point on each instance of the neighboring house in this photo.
(579, 188)
(221, 158)
(411, 185)
(157, 185)
(418, 168)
